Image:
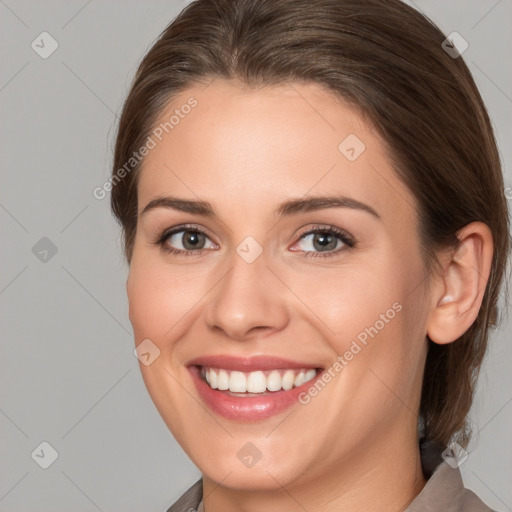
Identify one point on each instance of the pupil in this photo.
(324, 241)
(191, 239)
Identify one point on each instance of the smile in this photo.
(256, 382)
(251, 389)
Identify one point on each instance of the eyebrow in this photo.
(288, 208)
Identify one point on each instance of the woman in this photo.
(314, 217)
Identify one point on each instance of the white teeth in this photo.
(237, 382)
(213, 378)
(299, 379)
(309, 375)
(256, 382)
(274, 381)
(223, 380)
(288, 379)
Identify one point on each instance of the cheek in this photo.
(372, 314)
(349, 299)
(161, 307)
(160, 298)
(374, 323)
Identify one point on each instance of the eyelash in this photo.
(347, 239)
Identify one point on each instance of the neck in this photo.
(387, 477)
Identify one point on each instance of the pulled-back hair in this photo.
(386, 60)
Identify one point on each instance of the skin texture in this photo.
(245, 151)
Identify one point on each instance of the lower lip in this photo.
(247, 409)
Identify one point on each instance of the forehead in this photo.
(263, 145)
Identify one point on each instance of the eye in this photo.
(190, 240)
(185, 241)
(328, 240)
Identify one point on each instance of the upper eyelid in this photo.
(324, 227)
(186, 227)
(339, 232)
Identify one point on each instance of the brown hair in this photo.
(387, 60)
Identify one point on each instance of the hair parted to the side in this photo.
(385, 59)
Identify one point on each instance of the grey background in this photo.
(68, 375)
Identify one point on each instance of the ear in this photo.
(460, 286)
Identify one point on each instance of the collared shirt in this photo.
(443, 492)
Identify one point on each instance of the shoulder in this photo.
(188, 501)
(445, 491)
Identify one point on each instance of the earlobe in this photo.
(463, 279)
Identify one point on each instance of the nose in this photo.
(248, 302)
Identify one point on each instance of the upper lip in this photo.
(248, 364)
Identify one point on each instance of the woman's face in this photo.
(299, 258)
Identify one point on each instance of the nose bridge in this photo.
(247, 298)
